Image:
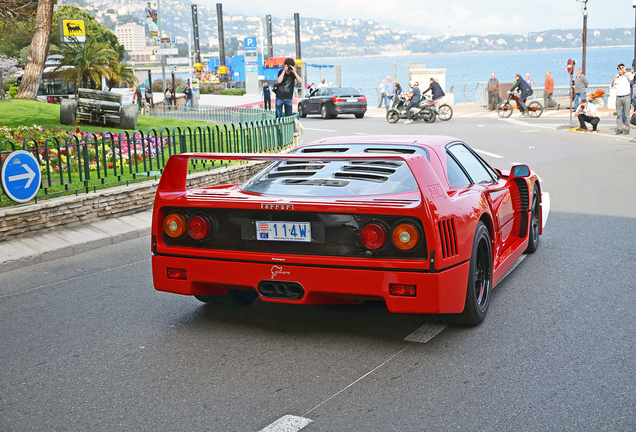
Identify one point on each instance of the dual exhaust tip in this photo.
(281, 290)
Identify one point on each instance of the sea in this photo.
(475, 67)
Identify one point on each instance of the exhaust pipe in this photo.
(280, 290)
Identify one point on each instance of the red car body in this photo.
(400, 219)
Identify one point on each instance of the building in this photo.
(131, 36)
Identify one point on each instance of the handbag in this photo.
(632, 119)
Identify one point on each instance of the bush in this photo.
(233, 92)
(181, 88)
(9, 82)
(13, 91)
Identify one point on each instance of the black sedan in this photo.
(332, 101)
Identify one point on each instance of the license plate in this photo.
(352, 100)
(283, 231)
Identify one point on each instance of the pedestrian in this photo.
(382, 94)
(548, 91)
(493, 92)
(414, 97)
(389, 91)
(398, 87)
(148, 96)
(267, 96)
(169, 96)
(287, 78)
(435, 89)
(580, 86)
(188, 95)
(524, 91)
(529, 81)
(623, 99)
(322, 83)
(587, 113)
(312, 89)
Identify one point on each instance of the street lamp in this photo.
(585, 31)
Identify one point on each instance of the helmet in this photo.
(413, 83)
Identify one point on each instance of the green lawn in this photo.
(16, 112)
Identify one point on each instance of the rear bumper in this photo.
(344, 109)
(442, 292)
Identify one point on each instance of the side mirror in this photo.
(520, 171)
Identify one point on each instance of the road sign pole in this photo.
(571, 65)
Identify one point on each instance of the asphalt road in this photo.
(88, 345)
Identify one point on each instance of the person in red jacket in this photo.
(548, 91)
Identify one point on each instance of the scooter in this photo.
(423, 110)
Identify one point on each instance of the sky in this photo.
(455, 17)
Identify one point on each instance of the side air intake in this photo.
(447, 237)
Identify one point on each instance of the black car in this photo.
(332, 101)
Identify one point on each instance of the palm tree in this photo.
(120, 73)
(84, 62)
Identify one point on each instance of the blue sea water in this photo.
(476, 67)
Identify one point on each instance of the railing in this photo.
(560, 93)
(82, 163)
(211, 113)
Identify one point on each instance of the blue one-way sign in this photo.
(21, 176)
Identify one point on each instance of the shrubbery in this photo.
(13, 91)
(233, 92)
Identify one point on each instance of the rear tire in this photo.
(232, 298)
(431, 117)
(128, 119)
(445, 112)
(392, 116)
(504, 110)
(359, 115)
(67, 112)
(535, 109)
(535, 224)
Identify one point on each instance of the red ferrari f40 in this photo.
(421, 223)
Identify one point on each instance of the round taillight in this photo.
(174, 225)
(373, 236)
(405, 236)
(198, 227)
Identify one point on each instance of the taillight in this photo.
(337, 99)
(174, 225)
(175, 273)
(198, 227)
(403, 290)
(373, 236)
(363, 99)
(405, 236)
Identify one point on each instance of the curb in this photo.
(26, 251)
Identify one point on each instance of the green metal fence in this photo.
(211, 113)
(82, 163)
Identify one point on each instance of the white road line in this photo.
(288, 423)
(320, 130)
(361, 133)
(425, 333)
(496, 156)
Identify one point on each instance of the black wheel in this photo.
(535, 224)
(445, 112)
(301, 111)
(504, 110)
(430, 117)
(392, 116)
(67, 112)
(479, 280)
(324, 113)
(232, 298)
(535, 109)
(128, 117)
(359, 115)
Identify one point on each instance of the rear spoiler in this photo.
(175, 172)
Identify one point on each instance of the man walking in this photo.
(286, 80)
(389, 92)
(188, 96)
(548, 91)
(267, 96)
(580, 86)
(382, 94)
(493, 92)
(623, 99)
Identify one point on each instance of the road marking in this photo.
(360, 133)
(320, 130)
(288, 423)
(496, 156)
(425, 333)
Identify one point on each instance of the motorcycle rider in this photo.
(414, 97)
(525, 89)
(435, 89)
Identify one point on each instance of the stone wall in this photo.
(67, 211)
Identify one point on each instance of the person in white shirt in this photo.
(623, 99)
(587, 113)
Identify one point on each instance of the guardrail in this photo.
(85, 162)
(217, 114)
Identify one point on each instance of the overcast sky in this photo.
(448, 16)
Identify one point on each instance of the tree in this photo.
(38, 52)
(8, 66)
(120, 73)
(88, 61)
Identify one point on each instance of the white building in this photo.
(131, 36)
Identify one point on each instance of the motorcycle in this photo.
(426, 110)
